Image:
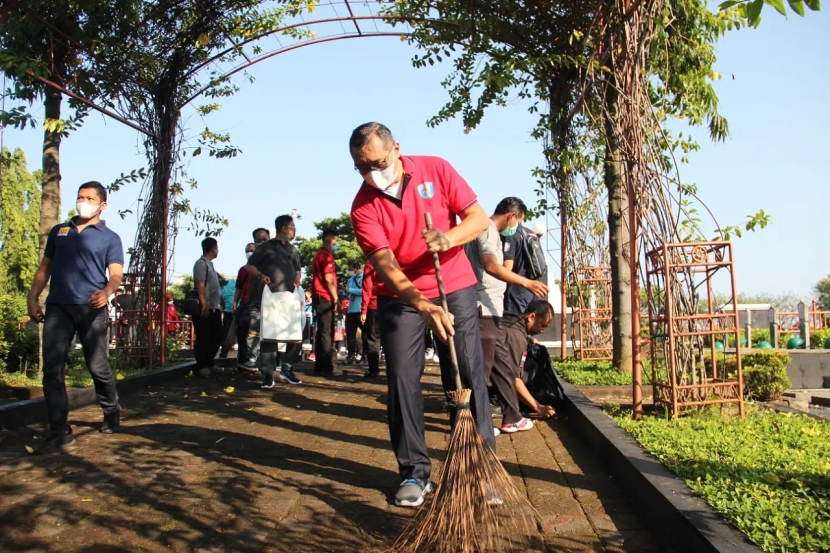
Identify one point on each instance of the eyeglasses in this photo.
(379, 165)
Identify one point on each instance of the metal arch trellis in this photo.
(294, 32)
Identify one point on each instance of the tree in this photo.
(822, 289)
(19, 222)
(347, 252)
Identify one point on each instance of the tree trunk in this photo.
(50, 200)
(618, 239)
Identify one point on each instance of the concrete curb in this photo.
(21, 413)
(679, 519)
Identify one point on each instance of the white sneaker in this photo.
(435, 358)
(521, 426)
(496, 431)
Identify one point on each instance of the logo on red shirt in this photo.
(426, 190)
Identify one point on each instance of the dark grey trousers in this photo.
(402, 335)
(497, 370)
(59, 328)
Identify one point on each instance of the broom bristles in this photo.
(463, 516)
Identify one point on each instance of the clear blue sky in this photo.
(293, 125)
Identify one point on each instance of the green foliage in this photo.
(768, 474)
(180, 290)
(19, 223)
(760, 335)
(18, 344)
(348, 251)
(751, 9)
(596, 373)
(818, 337)
(822, 289)
(765, 375)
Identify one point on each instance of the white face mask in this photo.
(87, 211)
(383, 179)
(248, 255)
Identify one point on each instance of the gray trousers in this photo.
(402, 335)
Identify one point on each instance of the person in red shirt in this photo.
(326, 305)
(369, 322)
(388, 220)
(172, 316)
(243, 315)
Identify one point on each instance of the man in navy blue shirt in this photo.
(78, 256)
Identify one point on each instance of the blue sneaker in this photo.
(412, 492)
(287, 375)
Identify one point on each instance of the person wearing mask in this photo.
(227, 294)
(255, 286)
(535, 320)
(243, 315)
(308, 330)
(208, 325)
(276, 263)
(172, 316)
(84, 261)
(326, 305)
(354, 287)
(388, 219)
(369, 322)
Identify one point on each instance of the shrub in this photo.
(597, 373)
(765, 375)
(15, 341)
(818, 337)
(760, 335)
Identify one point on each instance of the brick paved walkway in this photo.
(302, 468)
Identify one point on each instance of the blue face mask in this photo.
(509, 231)
(335, 247)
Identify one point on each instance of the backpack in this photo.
(536, 265)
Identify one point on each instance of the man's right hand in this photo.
(36, 312)
(205, 312)
(539, 289)
(545, 411)
(265, 280)
(439, 322)
(363, 318)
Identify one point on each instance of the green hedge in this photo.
(596, 373)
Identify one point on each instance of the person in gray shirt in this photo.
(208, 325)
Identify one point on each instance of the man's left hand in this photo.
(98, 299)
(436, 240)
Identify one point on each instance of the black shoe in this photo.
(111, 422)
(370, 375)
(54, 443)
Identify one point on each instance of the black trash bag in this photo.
(540, 378)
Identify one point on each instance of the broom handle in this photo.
(450, 342)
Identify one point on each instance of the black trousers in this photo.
(243, 322)
(352, 324)
(402, 334)
(227, 320)
(208, 338)
(371, 341)
(497, 371)
(324, 340)
(59, 329)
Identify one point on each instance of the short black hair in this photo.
(249, 244)
(281, 221)
(329, 232)
(260, 229)
(208, 244)
(540, 308)
(98, 187)
(364, 133)
(354, 264)
(511, 204)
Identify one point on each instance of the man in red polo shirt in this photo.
(326, 305)
(388, 220)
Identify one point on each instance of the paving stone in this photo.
(305, 468)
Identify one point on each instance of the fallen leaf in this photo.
(30, 449)
(230, 390)
(119, 376)
(771, 477)
(203, 394)
(219, 440)
(87, 500)
(286, 418)
(250, 408)
(185, 395)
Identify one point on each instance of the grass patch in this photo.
(768, 474)
(77, 375)
(596, 373)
